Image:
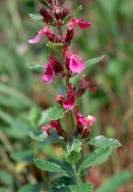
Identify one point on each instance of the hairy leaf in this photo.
(73, 151)
(102, 141)
(36, 17)
(83, 187)
(93, 61)
(48, 166)
(56, 112)
(97, 157)
(55, 46)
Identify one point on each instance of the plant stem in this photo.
(76, 175)
(67, 82)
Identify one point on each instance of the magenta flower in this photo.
(84, 124)
(87, 84)
(52, 67)
(49, 75)
(38, 38)
(84, 85)
(53, 124)
(46, 31)
(76, 65)
(79, 22)
(69, 103)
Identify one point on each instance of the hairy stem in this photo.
(75, 174)
(67, 82)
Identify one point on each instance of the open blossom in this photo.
(75, 64)
(46, 31)
(67, 103)
(53, 124)
(79, 22)
(71, 27)
(84, 124)
(52, 67)
(84, 85)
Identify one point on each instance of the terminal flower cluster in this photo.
(56, 14)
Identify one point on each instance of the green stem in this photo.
(75, 174)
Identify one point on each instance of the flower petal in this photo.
(76, 65)
(69, 103)
(49, 75)
(47, 129)
(38, 38)
(81, 23)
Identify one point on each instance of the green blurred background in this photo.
(24, 99)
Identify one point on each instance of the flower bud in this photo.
(46, 14)
(58, 98)
(51, 36)
(65, 12)
(57, 13)
(69, 35)
(86, 134)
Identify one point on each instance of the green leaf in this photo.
(73, 151)
(115, 182)
(97, 157)
(83, 187)
(36, 67)
(6, 178)
(36, 17)
(93, 61)
(61, 185)
(56, 112)
(49, 166)
(26, 155)
(55, 46)
(31, 188)
(103, 142)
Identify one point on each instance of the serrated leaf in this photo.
(115, 182)
(55, 46)
(97, 157)
(102, 141)
(61, 185)
(93, 61)
(73, 151)
(31, 188)
(36, 17)
(49, 166)
(83, 187)
(56, 112)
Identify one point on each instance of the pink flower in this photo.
(69, 103)
(46, 31)
(85, 84)
(79, 22)
(53, 124)
(38, 38)
(84, 124)
(49, 75)
(75, 64)
(52, 68)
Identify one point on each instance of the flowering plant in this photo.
(66, 64)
